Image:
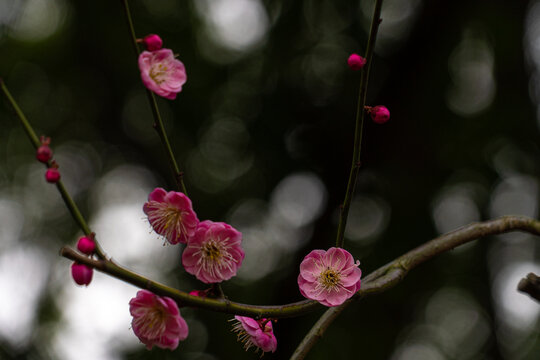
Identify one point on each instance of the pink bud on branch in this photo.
(86, 245)
(44, 152)
(380, 114)
(81, 273)
(151, 42)
(52, 175)
(356, 62)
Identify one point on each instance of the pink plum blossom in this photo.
(255, 333)
(162, 73)
(171, 215)
(157, 320)
(356, 62)
(330, 277)
(214, 252)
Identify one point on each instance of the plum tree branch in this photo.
(376, 282)
(392, 273)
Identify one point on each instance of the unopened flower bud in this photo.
(44, 152)
(152, 42)
(356, 62)
(380, 114)
(52, 175)
(81, 273)
(86, 245)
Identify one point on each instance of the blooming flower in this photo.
(214, 252)
(330, 277)
(380, 114)
(157, 320)
(257, 333)
(171, 215)
(81, 273)
(162, 73)
(356, 62)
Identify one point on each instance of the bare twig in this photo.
(530, 285)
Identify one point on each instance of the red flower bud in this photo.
(152, 42)
(52, 175)
(86, 245)
(81, 273)
(380, 114)
(356, 62)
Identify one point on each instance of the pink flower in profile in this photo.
(330, 277)
(171, 215)
(157, 320)
(162, 73)
(257, 333)
(214, 252)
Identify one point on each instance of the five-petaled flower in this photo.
(214, 252)
(157, 320)
(171, 215)
(162, 73)
(255, 333)
(330, 277)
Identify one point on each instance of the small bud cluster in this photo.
(81, 273)
(44, 154)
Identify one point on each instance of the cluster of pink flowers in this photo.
(161, 72)
(213, 254)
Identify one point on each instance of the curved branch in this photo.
(184, 299)
(378, 281)
(392, 273)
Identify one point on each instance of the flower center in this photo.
(152, 323)
(214, 257)
(159, 73)
(211, 251)
(167, 221)
(329, 279)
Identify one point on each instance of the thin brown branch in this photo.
(530, 285)
(392, 273)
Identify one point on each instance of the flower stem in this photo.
(360, 115)
(70, 204)
(158, 122)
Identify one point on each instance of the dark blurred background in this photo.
(264, 132)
